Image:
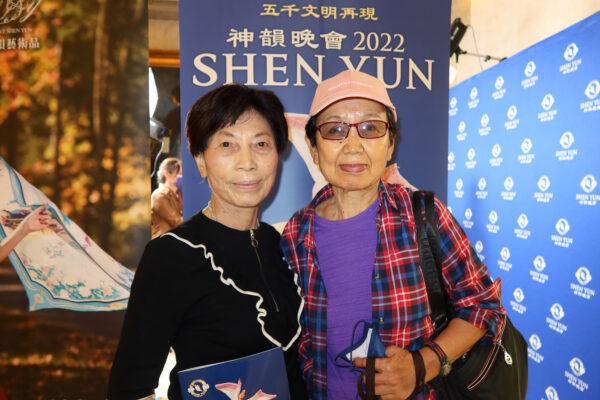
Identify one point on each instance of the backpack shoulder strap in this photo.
(423, 204)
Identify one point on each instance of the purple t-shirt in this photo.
(346, 254)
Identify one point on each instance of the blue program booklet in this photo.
(260, 376)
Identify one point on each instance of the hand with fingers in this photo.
(395, 377)
(37, 220)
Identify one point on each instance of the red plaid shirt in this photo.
(399, 304)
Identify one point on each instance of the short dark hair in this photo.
(393, 127)
(223, 106)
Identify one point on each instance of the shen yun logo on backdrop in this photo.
(572, 64)
(580, 288)
(459, 192)
(591, 92)
(574, 376)
(583, 276)
(544, 183)
(471, 162)
(485, 125)
(500, 89)
(503, 263)
(536, 275)
(467, 222)
(548, 114)
(570, 52)
(562, 228)
(539, 263)
(558, 313)
(521, 232)
(566, 142)
(551, 393)
(481, 185)
(517, 304)
(462, 135)
(543, 196)
(496, 150)
(479, 246)
(529, 72)
(479, 250)
(492, 227)
(535, 344)
(499, 82)
(453, 110)
(588, 184)
(474, 100)
(513, 121)
(496, 160)
(508, 194)
(527, 157)
(451, 163)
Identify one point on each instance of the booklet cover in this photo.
(260, 376)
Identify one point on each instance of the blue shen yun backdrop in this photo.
(523, 182)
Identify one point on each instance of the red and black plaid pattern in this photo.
(399, 302)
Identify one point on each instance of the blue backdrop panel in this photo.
(288, 46)
(523, 168)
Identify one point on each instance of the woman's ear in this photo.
(201, 164)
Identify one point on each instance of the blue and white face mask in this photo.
(369, 344)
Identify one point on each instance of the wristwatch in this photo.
(445, 365)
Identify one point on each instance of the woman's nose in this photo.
(353, 142)
(246, 160)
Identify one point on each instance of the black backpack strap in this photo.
(366, 381)
(423, 204)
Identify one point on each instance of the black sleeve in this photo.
(295, 381)
(156, 305)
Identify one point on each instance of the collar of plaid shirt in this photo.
(399, 301)
(306, 235)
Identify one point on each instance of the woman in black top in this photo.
(216, 287)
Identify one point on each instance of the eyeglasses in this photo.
(337, 130)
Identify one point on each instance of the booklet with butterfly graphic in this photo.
(260, 376)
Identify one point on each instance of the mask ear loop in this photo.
(353, 336)
(340, 361)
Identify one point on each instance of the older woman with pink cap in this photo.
(355, 250)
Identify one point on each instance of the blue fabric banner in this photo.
(522, 181)
(288, 47)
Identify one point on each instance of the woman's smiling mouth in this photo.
(353, 168)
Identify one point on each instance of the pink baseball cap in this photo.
(350, 84)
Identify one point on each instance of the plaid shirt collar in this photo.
(306, 234)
